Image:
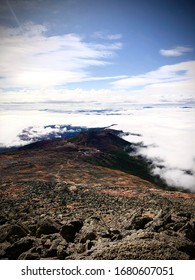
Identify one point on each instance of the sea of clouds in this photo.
(167, 132)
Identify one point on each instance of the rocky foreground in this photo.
(57, 202)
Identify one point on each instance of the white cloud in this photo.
(178, 51)
(168, 132)
(169, 136)
(31, 58)
(170, 83)
(45, 95)
(184, 71)
(176, 178)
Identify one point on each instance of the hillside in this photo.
(87, 198)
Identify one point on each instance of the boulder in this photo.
(69, 230)
(138, 223)
(160, 221)
(57, 249)
(188, 230)
(160, 247)
(12, 232)
(47, 226)
(16, 249)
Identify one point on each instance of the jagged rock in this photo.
(69, 231)
(50, 246)
(161, 246)
(138, 223)
(160, 221)
(57, 249)
(132, 222)
(47, 226)
(16, 249)
(12, 232)
(77, 224)
(188, 230)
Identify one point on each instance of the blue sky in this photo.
(140, 49)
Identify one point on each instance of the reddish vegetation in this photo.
(62, 162)
(20, 167)
(12, 190)
(126, 193)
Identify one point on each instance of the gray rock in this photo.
(12, 232)
(161, 246)
(188, 230)
(16, 249)
(69, 231)
(57, 249)
(137, 221)
(47, 226)
(160, 221)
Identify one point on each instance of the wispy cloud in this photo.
(165, 75)
(105, 36)
(114, 36)
(170, 83)
(31, 58)
(178, 51)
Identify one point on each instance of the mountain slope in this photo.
(65, 199)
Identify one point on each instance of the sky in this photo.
(144, 50)
(94, 63)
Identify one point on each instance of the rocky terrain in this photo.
(87, 198)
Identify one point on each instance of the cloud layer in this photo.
(167, 133)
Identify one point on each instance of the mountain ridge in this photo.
(114, 152)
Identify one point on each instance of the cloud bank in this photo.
(167, 133)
